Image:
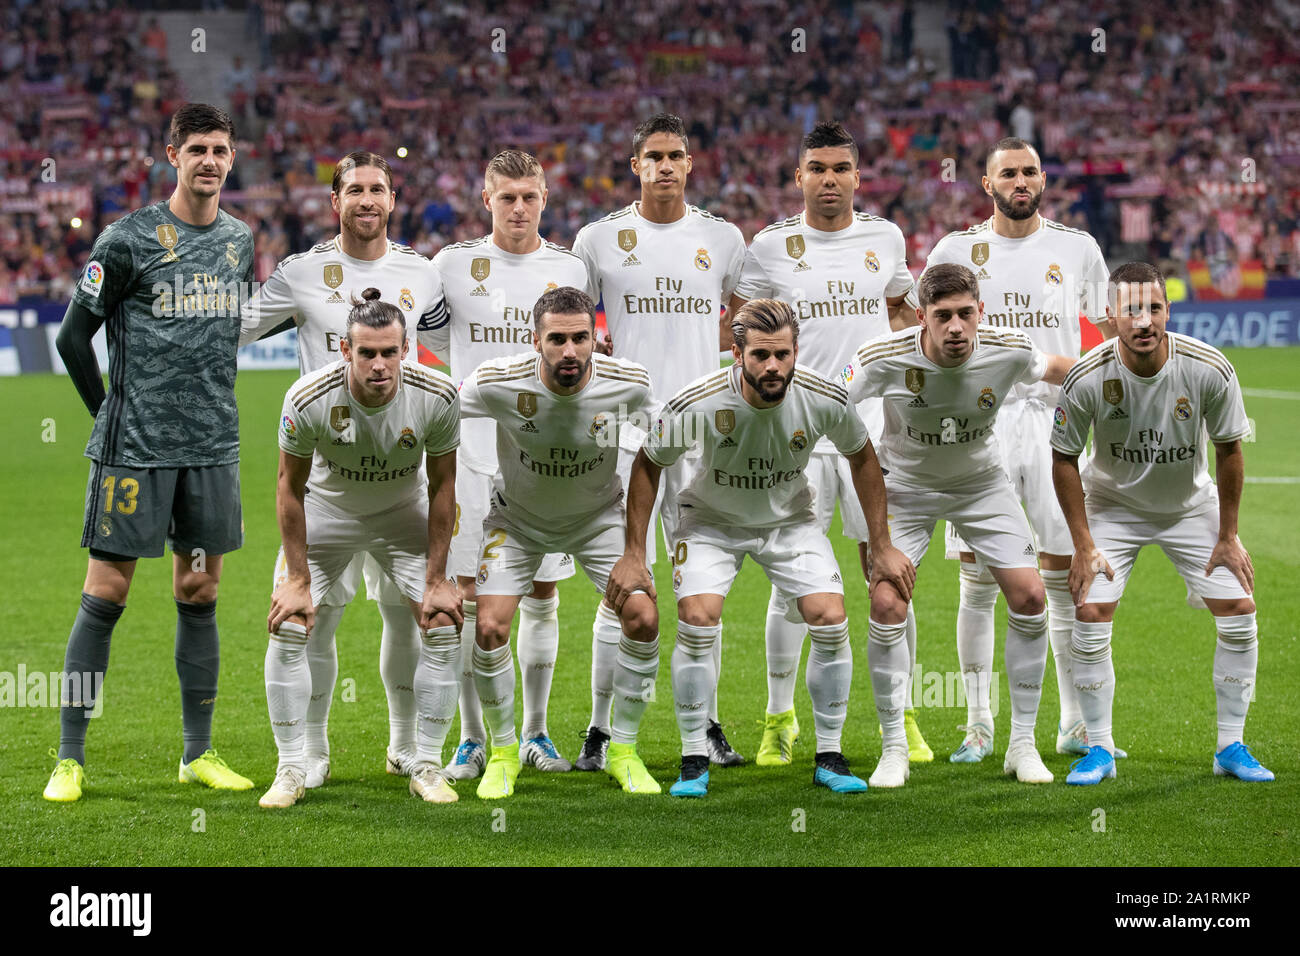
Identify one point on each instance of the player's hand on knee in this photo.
(1231, 555)
(291, 599)
(890, 564)
(629, 575)
(1084, 568)
(442, 597)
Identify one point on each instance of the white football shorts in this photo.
(798, 559)
(473, 497)
(988, 517)
(512, 555)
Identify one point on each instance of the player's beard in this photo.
(568, 378)
(754, 383)
(1008, 209)
(363, 234)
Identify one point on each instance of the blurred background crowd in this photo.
(1168, 130)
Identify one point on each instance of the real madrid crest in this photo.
(627, 239)
(702, 260)
(479, 268)
(795, 247)
(979, 253)
(871, 261)
(1113, 391)
(599, 428)
(527, 404)
(914, 379)
(406, 439)
(333, 275)
(406, 300)
(232, 255)
(724, 420)
(167, 238)
(798, 441)
(1182, 409)
(1053, 276)
(987, 399)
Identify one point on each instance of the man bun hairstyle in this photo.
(373, 314)
(939, 282)
(563, 300)
(763, 315)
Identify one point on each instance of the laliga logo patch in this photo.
(871, 262)
(846, 373)
(406, 300)
(799, 441)
(93, 278)
(986, 399)
(288, 427)
(482, 576)
(1059, 418)
(407, 439)
(1182, 409)
(702, 260)
(659, 429)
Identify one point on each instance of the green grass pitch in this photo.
(1164, 809)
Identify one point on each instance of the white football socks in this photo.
(494, 677)
(979, 593)
(1093, 676)
(694, 681)
(399, 655)
(606, 632)
(1025, 657)
(435, 688)
(288, 691)
(829, 676)
(323, 661)
(1236, 654)
(634, 686)
(784, 640)
(910, 636)
(888, 663)
(1060, 626)
(539, 645)
(717, 677)
(471, 711)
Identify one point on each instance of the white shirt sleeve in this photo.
(1096, 280)
(297, 436)
(472, 402)
(581, 248)
(434, 330)
(754, 283)
(1073, 420)
(735, 265)
(900, 283)
(849, 434)
(1225, 413)
(444, 431)
(271, 305)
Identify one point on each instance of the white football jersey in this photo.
(558, 454)
(368, 461)
(315, 289)
(751, 471)
(1038, 285)
(1149, 434)
(837, 284)
(664, 286)
(490, 294)
(939, 421)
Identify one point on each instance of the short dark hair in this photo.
(1010, 142)
(828, 134)
(1135, 273)
(373, 314)
(563, 300)
(199, 118)
(353, 160)
(945, 279)
(763, 315)
(659, 123)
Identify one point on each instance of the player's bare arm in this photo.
(1230, 475)
(441, 597)
(887, 562)
(902, 314)
(1087, 562)
(725, 339)
(1058, 366)
(292, 599)
(630, 572)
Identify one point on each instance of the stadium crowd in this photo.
(1166, 133)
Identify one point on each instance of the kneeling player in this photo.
(1150, 397)
(371, 422)
(556, 413)
(942, 385)
(756, 424)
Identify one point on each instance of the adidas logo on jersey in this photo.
(982, 274)
(917, 402)
(802, 267)
(1116, 415)
(528, 427)
(479, 291)
(727, 442)
(334, 298)
(835, 577)
(631, 260)
(1029, 549)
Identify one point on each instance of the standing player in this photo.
(845, 275)
(491, 284)
(942, 385)
(167, 280)
(1150, 398)
(1036, 276)
(313, 290)
(364, 429)
(664, 270)
(755, 424)
(556, 415)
